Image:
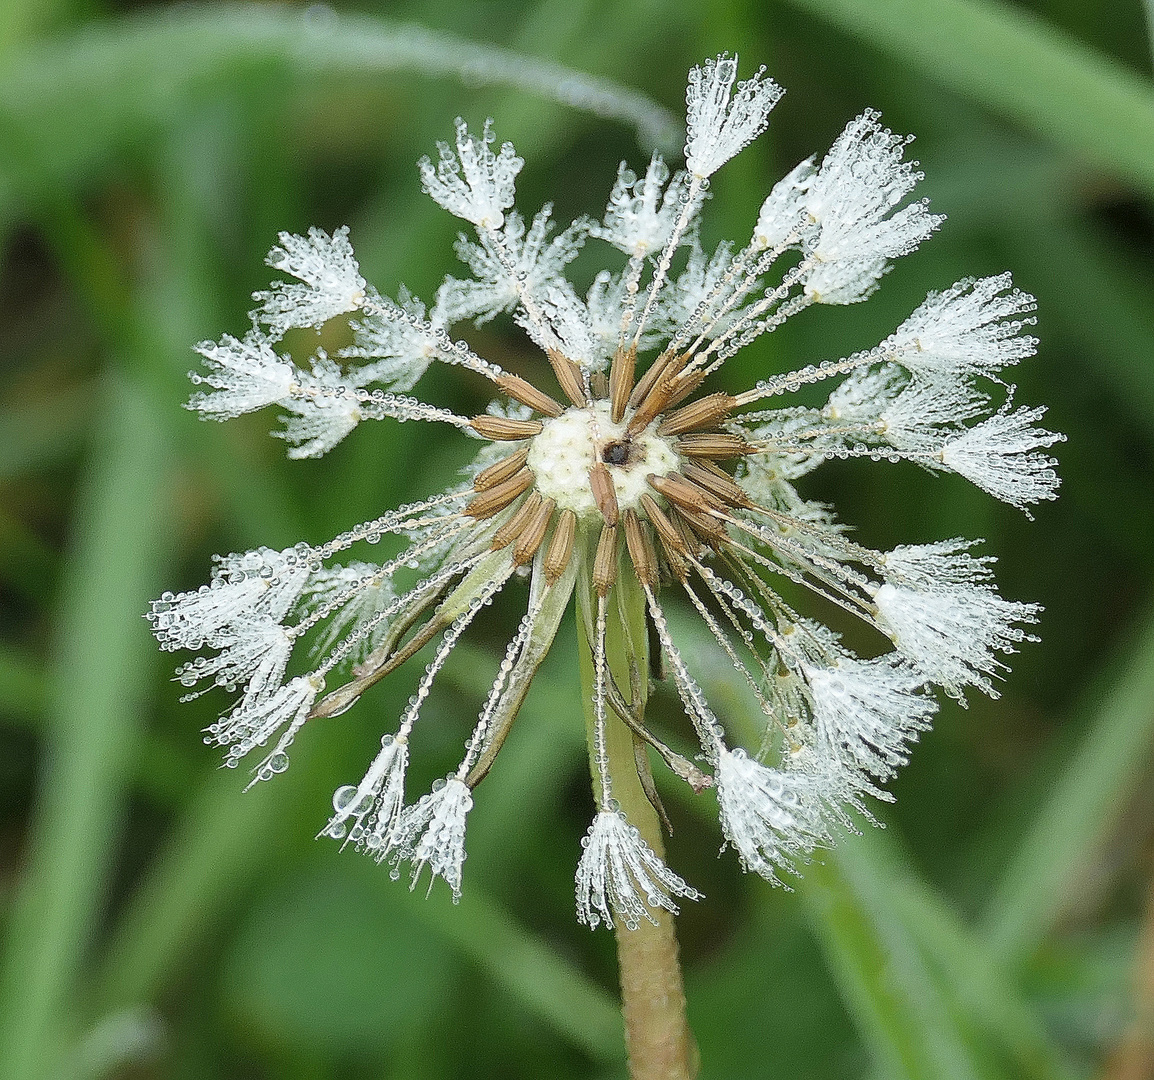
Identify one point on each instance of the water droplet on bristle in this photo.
(343, 796)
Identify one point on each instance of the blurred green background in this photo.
(157, 924)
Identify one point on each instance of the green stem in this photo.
(657, 1034)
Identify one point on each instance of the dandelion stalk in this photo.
(657, 1033)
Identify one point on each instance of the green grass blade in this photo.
(1080, 269)
(980, 991)
(1148, 7)
(42, 434)
(23, 19)
(23, 685)
(1017, 65)
(548, 737)
(223, 840)
(885, 983)
(1032, 196)
(98, 680)
(532, 971)
(1082, 804)
(219, 843)
(89, 94)
(116, 1046)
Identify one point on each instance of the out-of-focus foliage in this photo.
(156, 923)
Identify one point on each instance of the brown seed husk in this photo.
(560, 545)
(680, 491)
(569, 376)
(605, 561)
(533, 533)
(604, 492)
(526, 393)
(707, 528)
(500, 470)
(707, 475)
(509, 532)
(487, 503)
(714, 445)
(641, 551)
(649, 379)
(679, 389)
(502, 429)
(671, 542)
(704, 412)
(621, 381)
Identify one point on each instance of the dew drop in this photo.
(343, 796)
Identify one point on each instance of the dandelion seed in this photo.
(642, 211)
(626, 475)
(972, 328)
(473, 183)
(619, 877)
(859, 227)
(867, 714)
(773, 818)
(432, 833)
(781, 220)
(509, 263)
(246, 375)
(997, 455)
(719, 125)
(329, 281)
(945, 615)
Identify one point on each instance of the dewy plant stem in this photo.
(660, 1044)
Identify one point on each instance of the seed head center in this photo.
(571, 444)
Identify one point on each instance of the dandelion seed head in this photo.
(620, 473)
